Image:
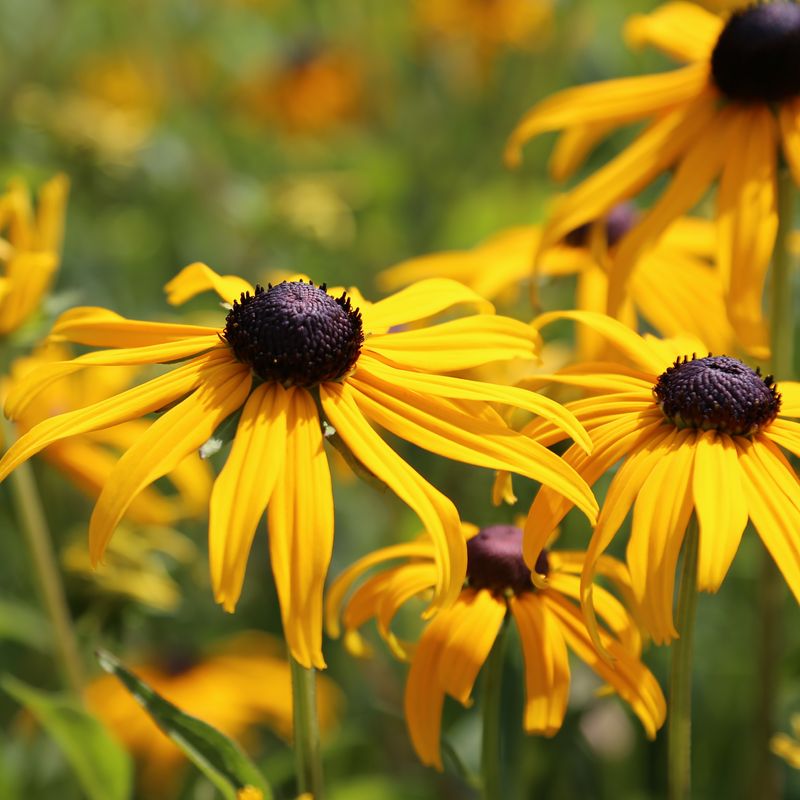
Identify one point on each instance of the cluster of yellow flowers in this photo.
(699, 437)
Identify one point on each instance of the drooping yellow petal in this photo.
(547, 675)
(598, 377)
(622, 492)
(786, 433)
(429, 423)
(720, 506)
(28, 386)
(621, 100)
(242, 490)
(167, 442)
(660, 515)
(99, 327)
(789, 120)
(463, 389)
(773, 500)
(438, 515)
(681, 30)
(198, 278)
(300, 518)
(458, 344)
(748, 222)
(476, 621)
(136, 402)
(424, 695)
(29, 274)
(695, 173)
(423, 299)
(574, 144)
(632, 681)
(691, 236)
(653, 151)
(627, 341)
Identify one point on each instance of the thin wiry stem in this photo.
(492, 744)
(34, 527)
(308, 761)
(679, 734)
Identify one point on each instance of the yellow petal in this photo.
(136, 402)
(622, 100)
(547, 675)
(681, 30)
(720, 506)
(300, 518)
(243, 488)
(99, 327)
(786, 433)
(167, 442)
(434, 426)
(574, 144)
(438, 515)
(198, 278)
(790, 398)
(423, 299)
(458, 344)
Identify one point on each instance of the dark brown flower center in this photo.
(717, 393)
(295, 333)
(757, 56)
(494, 561)
(619, 221)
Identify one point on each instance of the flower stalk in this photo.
(30, 514)
(492, 743)
(679, 717)
(307, 755)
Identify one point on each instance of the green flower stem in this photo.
(679, 741)
(492, 744)
(308, 763)
(34, 526)
(781, 289)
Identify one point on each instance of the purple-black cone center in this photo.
(295, 333)
(619, 221)
(717, 393)
(757, 55)
(494, 561)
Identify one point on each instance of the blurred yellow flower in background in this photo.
(786, 746)
(456, 643)
(244, 682)
(30, 247)
(732, 113)
(286, 357)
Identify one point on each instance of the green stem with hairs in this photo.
(679, 718)
(307, 757)
(32, 521)
(492, 743)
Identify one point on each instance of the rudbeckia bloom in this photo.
(242, 683)
(285, 357)
(456, 643)
(695, 435)
(87, 460)
(691, 301)
(30, 248)
(728, 113)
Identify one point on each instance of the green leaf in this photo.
(22, 624)
(219, 758)
(101, 765)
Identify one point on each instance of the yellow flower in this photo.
(695, 435)
(785, 746)
(689, 301)
(283, 358)
(88, 460)
(243, 683)
(457, 642)
(727, 113)
(30, 248)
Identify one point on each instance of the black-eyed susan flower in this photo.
(285, 357)
(88, 460)
(455, 644)
(728, 113)
(240, 684)
(696, 434)
(691, 301)
(30, 248)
